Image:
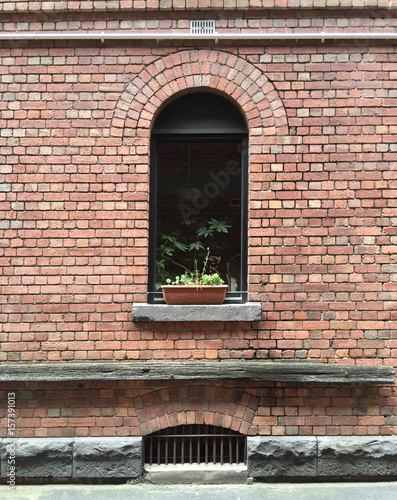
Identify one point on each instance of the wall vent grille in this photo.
(202, 27)
(198, 444)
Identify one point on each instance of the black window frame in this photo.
(237, 297)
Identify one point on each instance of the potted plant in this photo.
(195, 285)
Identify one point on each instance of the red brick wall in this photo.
(75, 121)
(75, 202)
(111, 408)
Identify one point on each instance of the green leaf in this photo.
(220, 225)
(181, 246)
(205, 231)
(196, 246)
(160, 265)
(168, 237)
(166, 250)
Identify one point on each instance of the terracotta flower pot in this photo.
(192, 294)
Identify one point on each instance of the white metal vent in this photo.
(202, 27)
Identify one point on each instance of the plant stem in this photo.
(206, 261)
(178, 264)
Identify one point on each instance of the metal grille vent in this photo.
(199, 444)
(201, 27)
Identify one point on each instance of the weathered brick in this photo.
(74, 187)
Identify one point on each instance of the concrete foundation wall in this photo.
(73, 457)
(268, 458)
(321, 457)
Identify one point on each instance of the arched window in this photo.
(199, 193)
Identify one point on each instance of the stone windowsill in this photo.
(250, 311)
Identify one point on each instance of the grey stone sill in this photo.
(280, 371)
(250, 311)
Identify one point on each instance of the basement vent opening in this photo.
(202, 27)
(195, 444)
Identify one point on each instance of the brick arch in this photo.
(212, 405)
(222, 72)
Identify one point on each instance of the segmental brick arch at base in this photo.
(212, 405)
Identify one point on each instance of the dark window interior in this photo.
(197, 178)
(198, 181)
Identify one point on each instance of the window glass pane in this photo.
(199, 181)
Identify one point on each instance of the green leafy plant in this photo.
(174, 245)
(196, 277)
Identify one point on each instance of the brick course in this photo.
(133, 409)
(75, 123)
(32, 6)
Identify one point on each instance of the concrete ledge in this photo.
(333, 457)
(250, 311)
(279, 371)
(105, 457)
(196, 474)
